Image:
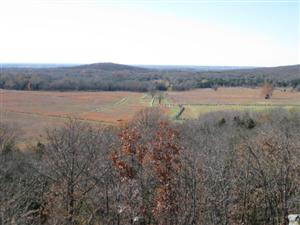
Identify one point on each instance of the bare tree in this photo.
(267, 90)
(160, 97)
(215, 87)
(73, 162)
(20, 186)
(270, 173)
(223, 168)
(152, 90)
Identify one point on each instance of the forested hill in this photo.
(114, 77)
(109, 67)
(277, 73)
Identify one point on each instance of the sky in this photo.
(154, 32)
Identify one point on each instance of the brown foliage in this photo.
(159, 158)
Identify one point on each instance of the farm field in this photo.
(200, 101)
(33, 111)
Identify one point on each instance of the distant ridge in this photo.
(107, 66)
(114, 67)
(193, 68)
(110, 67)
(118, 77)
(278, 71)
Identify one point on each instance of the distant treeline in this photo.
(115, 77)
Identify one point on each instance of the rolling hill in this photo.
(118, 77)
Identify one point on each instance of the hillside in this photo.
(192, 68)
(280, 72)
(109, 67)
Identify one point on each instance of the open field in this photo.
(234, 96)
(33, 111)
(200, 101)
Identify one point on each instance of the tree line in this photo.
(126, 78)
(223, 168)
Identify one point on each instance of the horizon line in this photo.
(139, 64)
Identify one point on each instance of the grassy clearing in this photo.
(201, 101)
(194, 111)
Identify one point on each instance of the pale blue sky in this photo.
(235, 33)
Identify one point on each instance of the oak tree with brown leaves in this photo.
(159, 160)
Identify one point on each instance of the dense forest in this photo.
(116, 77)
(224, 168)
